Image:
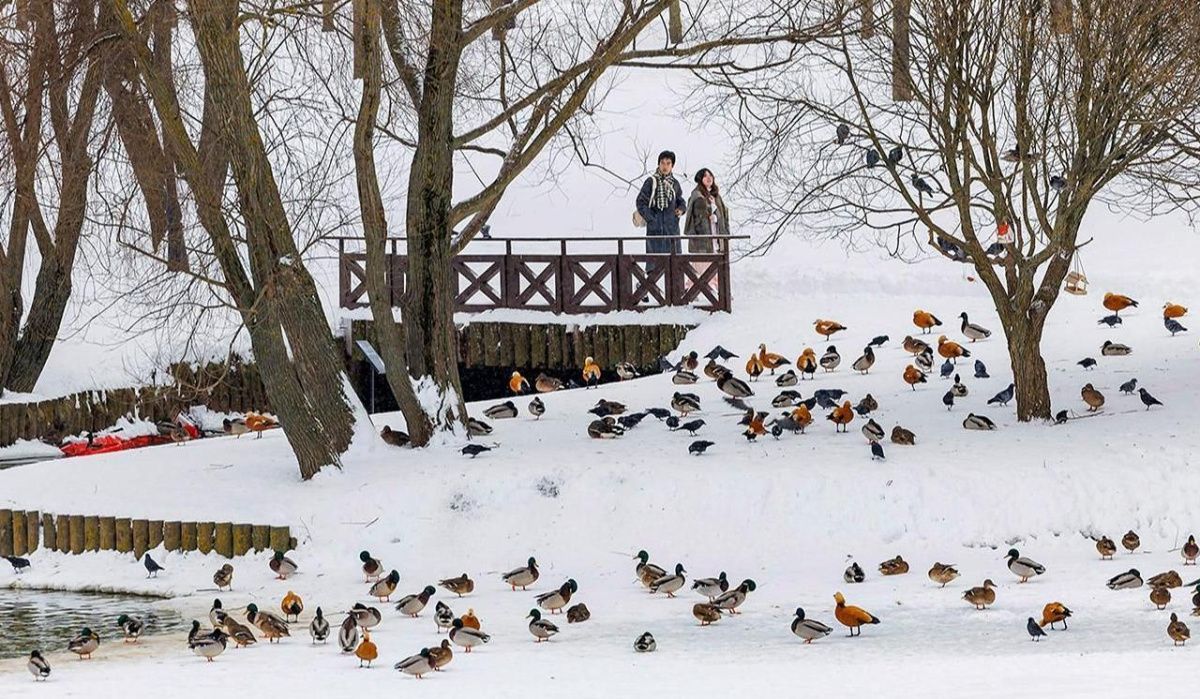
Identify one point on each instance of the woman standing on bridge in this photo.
(706, 214)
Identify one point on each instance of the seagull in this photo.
(1147, 399)
(1003, 397)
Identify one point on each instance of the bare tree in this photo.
(494, 84)
(981, 132)
(49, 88)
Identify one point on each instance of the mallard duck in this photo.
(383, 589)
(712, 370)
(894, 566)
(372, 568)
(578, 614)
(604, 408)
(443, 616)
(282, 566)
(786, 379)
(467, 637)
(924, 361)
(914, 346)
(555, 600)
(1178, 631)
(395, 438)
(1115, 349)
(1125, 581)
(271, 626)
(1190, 551)
(873, 431)
(854, 573)
(733, 386)
(731, 600)
(37, 666)
(685, 403)
(972, 331)
(240, 633)
(547, 384)
(318, 628)
(903, 436)
(943, 573)
(132, 626)
(541, 629)
(683, 377)
(711, 587)
(367, 651)
(865, 361)
(210, 645)
(522, 577)
(440, 656)
(1169, 579)
(978, 422)
(364, 616)
(645, 643)
(348, 635)
(235, 426)
(850, 616)
(831, 359)
(517, 384)
(605, 428)
(626, 371)
(706, 613)
(808, 629)
(1160, 597)
(291, 606)
(1106, 547)
(469, 620)
(537, 408)
(1054, 613)
(1023, 568)
(412, 605)
(646, 571)
(416, 665)
(223, 578)
(84, 644)
(983, 596)
(670, 584)
(828, 327)
(959, 389)
(477, 428)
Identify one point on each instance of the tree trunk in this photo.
(375, 229)
(50, 297)
(428, 313)
(1024, 338)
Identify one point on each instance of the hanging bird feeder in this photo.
(1077, 281)
(1004, 234)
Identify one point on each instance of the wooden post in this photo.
(868, 18)
(108, 533)
(327, 15)
(124, 535)
(281, 538)
(77, 535)
(204, 537)
(223, 539)
(260, 537)
(141, 534)
(154, 534)
(49, 532)
(171, 535)
(187, 536)
(6, 534)
(18, 533)
(901, 51)
(242, 539)
(675, 22)
(63, 523)
(1060, 16)
(91, 533)
(33, 521)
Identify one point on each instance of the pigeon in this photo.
(1058, 183)
(1003, 397)
(473, 450)
(664, 365)
(152, 566)
(981, 371)
(921, 184)
(895, 155)
(843, 132)
(878, 340)
(1035, 631)
(660, 413)
(872, 157)
(1110, 321)
(1174, 326)
(19, 565)
(1147, 399)
(948, 400)
(691, 426)
(854, 574)
(994, 250)
(1129, 387)
(699, 446)
(877, 452)
(1087, 363)
(720, 353)
(1060, 418)
(947, 369)
(631, 420)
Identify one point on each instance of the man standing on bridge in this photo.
(660, 204)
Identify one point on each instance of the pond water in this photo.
(47, 620)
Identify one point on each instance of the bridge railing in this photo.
(560, 275)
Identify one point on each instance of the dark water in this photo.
(47, 620)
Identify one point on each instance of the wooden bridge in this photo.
(560, 275)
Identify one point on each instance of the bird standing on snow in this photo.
(943, 573)
(555, 600)
(1190, 551)
(1024, 568)
(443, 616)
(947, 369)
(864, 363)
(413, 605)
(1129, 387)
(19, 565)
(1118, 302)
(1178, 631)
(982, 596)
(1054, 613)
(318, 628)
(913, 376)
(827, 328)
(972, 331)
(291, 606)
(853, 618)
(950, 349)
(1173, 326)
(473, 450)
(948, 399)
(731, 600)
(37, 666)
(1107, 547)
(84, 644)
(540, 628)
(877, 452)
(1093, 398)
(959, 389)
(841, 416)
(1035, 631)
(924, 361)
(925, 320)
(223, 578)
(981, 371)
(1131, 541)
(711, 588)
(152, 566)
(1147, 399)
(706, 613)
(894, 566)
(1087, 363)
(1110, 321)
(522, 577)
(537, 408)
(831, 359)
(467, 637)
(282, 566)
(873, 431)
(854, 573)
(808, 629)
(132, 626)
(699, 446)
(879, 340)
(462, 585)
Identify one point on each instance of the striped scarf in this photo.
(664, 191)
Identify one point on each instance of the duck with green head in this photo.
(541, 629)
(522, 577)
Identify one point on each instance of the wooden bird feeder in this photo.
(1077, 283)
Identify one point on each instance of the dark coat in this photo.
(660, 221)
(697, 221)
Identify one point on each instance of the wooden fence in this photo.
(233, 386)
(23, 532)
(559, 281)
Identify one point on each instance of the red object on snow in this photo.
(105, 443)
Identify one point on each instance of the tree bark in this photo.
(1024, 338)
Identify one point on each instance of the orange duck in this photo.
(1174, 310)
(827, 327)
(841, 416)
(469, 620)
(950, 349)
(770, 360)
(925, 320)
(852, 617)
(802, 416)
(517, 383)
(366, 651)
(807, 362)
(913, 376)
(292, 605)
(591, 372)
(1054, 613)
(258, 423)
(756, 428)
(1118, 302)
(754, 367)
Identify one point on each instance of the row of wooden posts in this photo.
(23, 532)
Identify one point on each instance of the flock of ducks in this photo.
(721, 599)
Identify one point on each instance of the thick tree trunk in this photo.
(1024, 338)
(50, 297)
(428, 313)
(375, 229)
